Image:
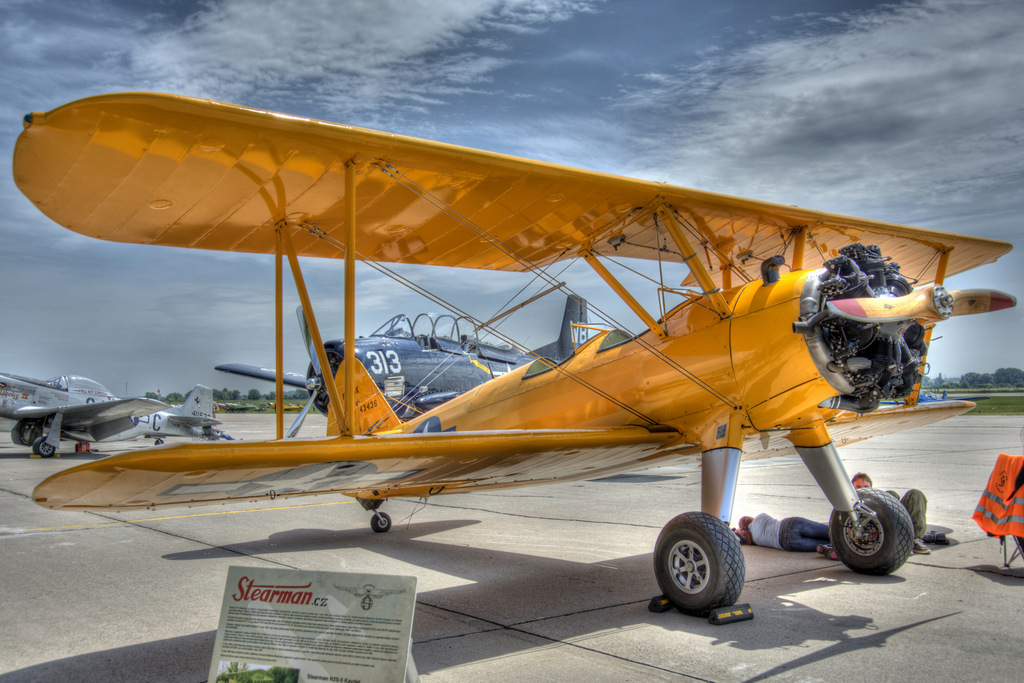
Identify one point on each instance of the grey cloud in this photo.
(908, 112)
(354, 56)
(907, 99)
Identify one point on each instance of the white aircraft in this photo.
(75, 407)
(193, 418)
(83, 410)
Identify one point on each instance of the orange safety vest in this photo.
(1000, 511)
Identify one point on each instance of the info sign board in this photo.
(293, 626)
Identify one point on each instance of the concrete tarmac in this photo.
(549, 583)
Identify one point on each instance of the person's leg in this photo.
(917, 505)
(802, 535)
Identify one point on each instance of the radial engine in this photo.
(866, 362)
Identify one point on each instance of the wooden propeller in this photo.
(927, 305)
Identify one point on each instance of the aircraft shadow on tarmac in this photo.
(542, 600)
(534, 600)
(315, 540)
(185, 658)
(843, 645)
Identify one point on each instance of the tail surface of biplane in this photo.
(754, 362)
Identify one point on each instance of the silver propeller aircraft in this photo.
(192, 419)
(77, 407)
(83, 410)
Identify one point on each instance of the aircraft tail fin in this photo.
(565, 346)
(373, 413)
(198, 403)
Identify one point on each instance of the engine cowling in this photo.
(866, 362)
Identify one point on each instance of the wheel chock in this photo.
(659, 604)
(727, 615)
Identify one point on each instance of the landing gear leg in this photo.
(828, 470)
(698, 560)
(46, 446)
(381, 521)
(871, 531)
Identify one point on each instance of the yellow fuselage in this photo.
(749, 370)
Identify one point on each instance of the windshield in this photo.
(58, 383)
(84, 384)
(399, 326)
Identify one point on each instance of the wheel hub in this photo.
(690, 568)
(867, 539)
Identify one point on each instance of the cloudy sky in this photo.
(911, 112)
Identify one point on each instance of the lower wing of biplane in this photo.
(754, 361)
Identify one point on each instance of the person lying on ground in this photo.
(791, 533)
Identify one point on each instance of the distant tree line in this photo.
(225, 394)
(1003, 378)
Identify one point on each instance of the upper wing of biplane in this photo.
(161, 169)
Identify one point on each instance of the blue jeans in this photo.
(802, 535)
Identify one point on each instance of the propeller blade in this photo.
(971, 301)
(300, 418)
(928, 304)
(308, 338)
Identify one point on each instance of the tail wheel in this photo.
(380, 522)
(887, 540)
(699, 563)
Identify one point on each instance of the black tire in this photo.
(24, 432)
(16, 436)
(699, 563)
(890, 537)
(42, 448)
(380, 522)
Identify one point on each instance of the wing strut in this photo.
(940, 278)
(591, 258)
(314, 330)
(349, 361)
(346, 403)
(707, 283)
(799, 243)
(279, 333)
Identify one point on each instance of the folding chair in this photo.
(1000, 512)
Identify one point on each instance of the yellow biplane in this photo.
(793, 327)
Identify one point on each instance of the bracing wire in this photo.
(438, 203)
(539, 274)
(387, 272)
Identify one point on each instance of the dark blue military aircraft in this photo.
(422, 362)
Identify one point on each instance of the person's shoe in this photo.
(920, 548)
